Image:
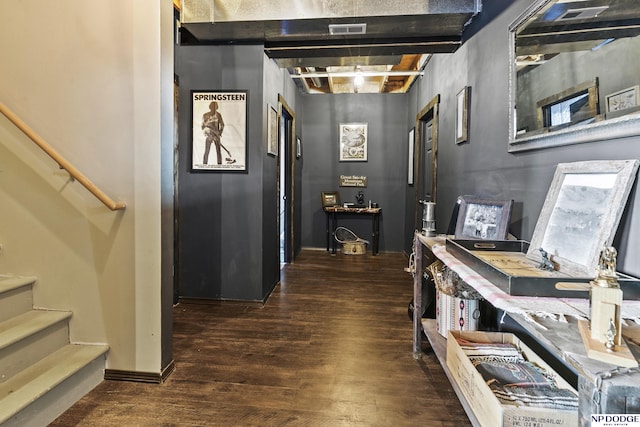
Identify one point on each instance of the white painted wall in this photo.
(94, 79)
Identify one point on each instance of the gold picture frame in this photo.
(330, 198)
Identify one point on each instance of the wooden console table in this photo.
(602, 387)
(332, 213)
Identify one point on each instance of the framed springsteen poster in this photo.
(219, 135)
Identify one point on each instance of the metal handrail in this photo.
(64, 164)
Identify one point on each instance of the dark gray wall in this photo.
(220, 225)
(385, 169)
(228, 237)
(483, 166)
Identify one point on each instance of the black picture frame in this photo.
(483, 219)
(219, 131)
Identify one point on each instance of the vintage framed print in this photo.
(581, 213)
(330, 198)
(623, 99)
(462, 115)
(272, 133)
(219, 133)
(483, 219)
(353, 142)
(412, 149)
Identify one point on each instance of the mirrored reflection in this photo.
(576, 63)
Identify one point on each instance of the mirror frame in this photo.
(619, 127)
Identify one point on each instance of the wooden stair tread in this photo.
(8, 282)
(19, 327)
(30, 384)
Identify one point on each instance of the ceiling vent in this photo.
(347, 29)
(582, 13)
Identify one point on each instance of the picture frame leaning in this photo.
(330, 199)
(219, 130)
(483, 219)
(581, 213)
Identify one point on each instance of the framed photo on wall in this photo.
(219, 133)
(623, 99)
(272, 136)
(412, 149)
(353, 142)
(462, 115)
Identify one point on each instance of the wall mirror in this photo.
(574, 73)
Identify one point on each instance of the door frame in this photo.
(428, 113)
(290, 169)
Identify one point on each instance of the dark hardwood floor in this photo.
(331, 347)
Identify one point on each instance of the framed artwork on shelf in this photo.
(581, 213)
(462, 115)
(330, 198)
(219, 132)
(353, 142)
(483, 219)
(272, 134)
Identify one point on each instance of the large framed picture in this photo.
(219, 134)
(483, 219)
(581, 213)
(353, 142)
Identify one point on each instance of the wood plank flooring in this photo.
(331, 347)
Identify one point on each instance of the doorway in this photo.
(427, 170)
(286, 180)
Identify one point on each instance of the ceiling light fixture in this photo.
(358, 79)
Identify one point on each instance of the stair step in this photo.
(24, 339)
(26, 388)
(15, 295)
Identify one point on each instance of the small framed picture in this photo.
(330, 198)
(219, 132)
(462, 115)
(353, 142)
(483, 219)
(412, 149)
(272, 135)
(623, 99)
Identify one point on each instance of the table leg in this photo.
(375, 234)
(333, 232)
(417, 299)
(327, 230)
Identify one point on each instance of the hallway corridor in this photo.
(331, 347)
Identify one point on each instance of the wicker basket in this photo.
(354, 248)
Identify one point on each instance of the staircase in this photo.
(41, 373)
